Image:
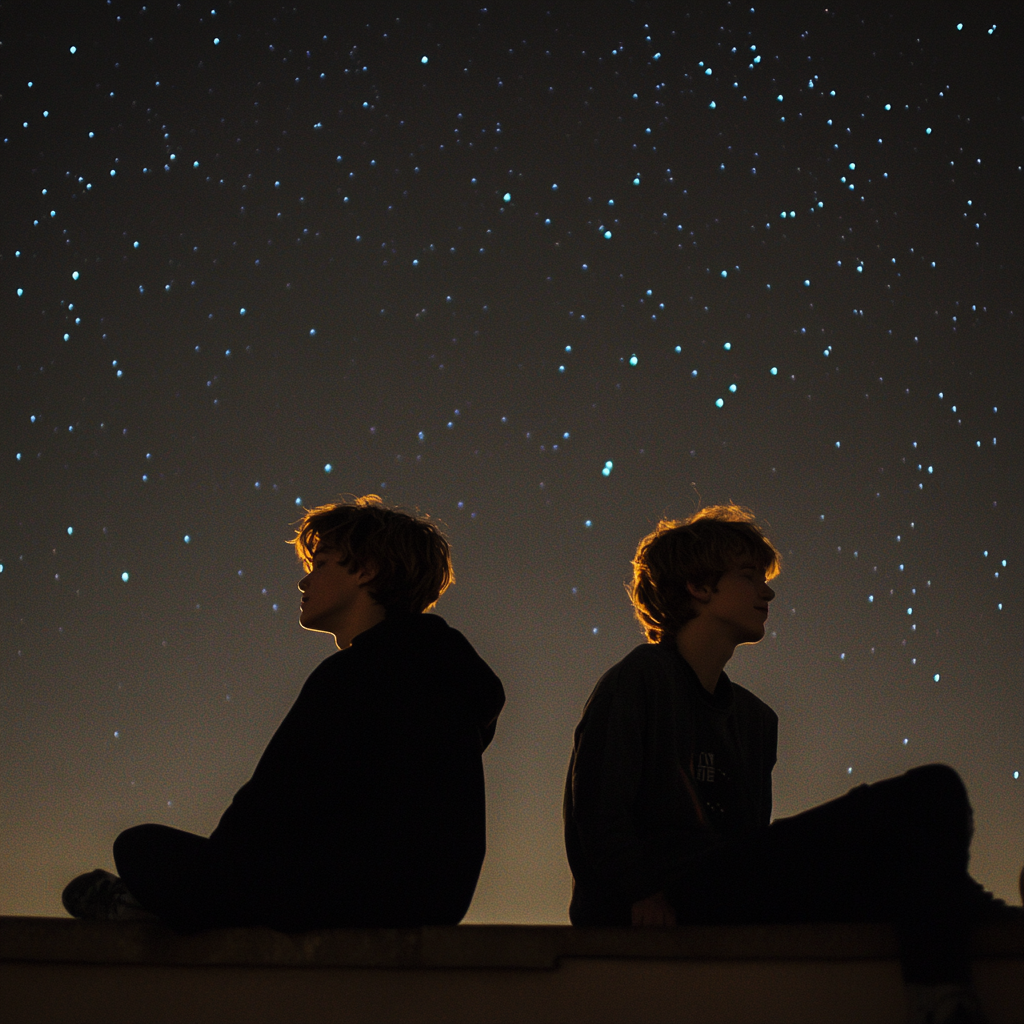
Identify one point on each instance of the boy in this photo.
(668, 798)
(367, 807)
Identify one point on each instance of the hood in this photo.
(428, 639)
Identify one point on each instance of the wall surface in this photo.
(63, 970)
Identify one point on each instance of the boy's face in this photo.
(739, 605)
(330, 591)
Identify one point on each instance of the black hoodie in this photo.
(367, 807)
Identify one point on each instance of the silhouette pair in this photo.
(367, 806)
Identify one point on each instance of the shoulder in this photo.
(648, 658)
(751, 706)
(635, 690)
(646, 666)
(422, 626)
(407, 636)
(429, 632)
(439, 663)
(431, 624)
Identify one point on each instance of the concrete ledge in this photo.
(55, 970)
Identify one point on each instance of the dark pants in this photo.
(194, 883)
(893, 851)
(182, 879)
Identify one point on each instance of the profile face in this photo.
(740, 602)
(329, 590)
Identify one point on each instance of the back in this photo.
(374, 784)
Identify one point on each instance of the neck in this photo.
(705, 651)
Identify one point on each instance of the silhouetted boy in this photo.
(668, 798)
(367, 807)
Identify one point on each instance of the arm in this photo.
(605, 782)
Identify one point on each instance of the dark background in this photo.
(243, 243)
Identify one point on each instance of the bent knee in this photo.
(132, 840)
(940, 794)
(938, 779)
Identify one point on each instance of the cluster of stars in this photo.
(546, 280)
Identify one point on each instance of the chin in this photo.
(313, 625)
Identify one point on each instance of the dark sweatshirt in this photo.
(367, 807)
(661, 771)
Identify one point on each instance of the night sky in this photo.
(548, 274)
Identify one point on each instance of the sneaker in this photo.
(101, 896)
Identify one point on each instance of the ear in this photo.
(701, 594)
(366, 574)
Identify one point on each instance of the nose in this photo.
(302, 583)
(769, 594)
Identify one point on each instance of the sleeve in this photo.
(259, 804)
(605, 780)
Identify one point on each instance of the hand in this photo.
(654, 912)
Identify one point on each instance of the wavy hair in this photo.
(698, 550)
(411, 556)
